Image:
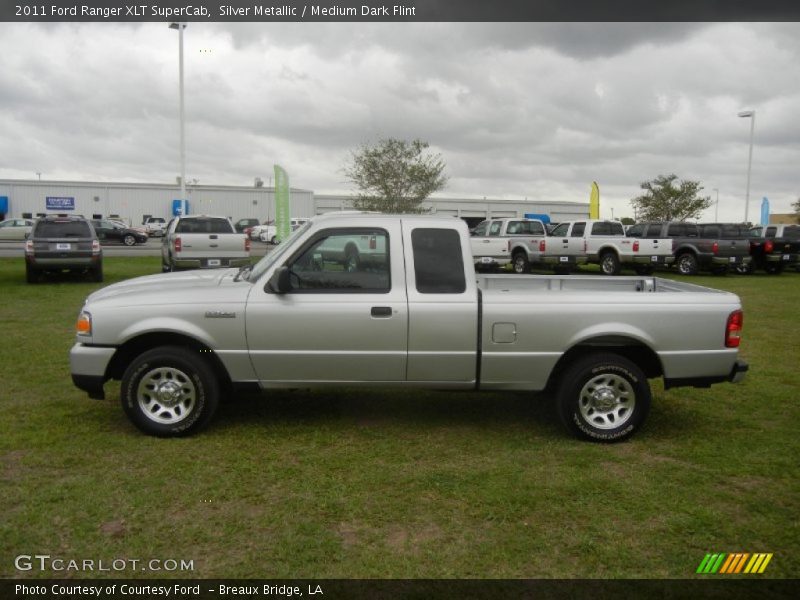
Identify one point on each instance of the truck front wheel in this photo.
(603, 398)
(169, 391)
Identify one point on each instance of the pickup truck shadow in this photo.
(379, 408)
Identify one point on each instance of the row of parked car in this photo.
(689, 247)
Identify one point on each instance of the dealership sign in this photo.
(60, 203)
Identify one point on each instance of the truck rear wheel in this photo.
(520, 263)
(603, 397)
(169, 391)
(687, 264)
(609, 264)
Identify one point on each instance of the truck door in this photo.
(345, 318)
(442, 307)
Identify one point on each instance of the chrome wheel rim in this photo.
(685, 265)
(519, 264)
(608, 265)
(607, 401)
(129, 240)
(166, 395)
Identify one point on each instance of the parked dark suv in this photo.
(63, 243)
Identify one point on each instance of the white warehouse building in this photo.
(133, 202)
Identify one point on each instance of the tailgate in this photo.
(212, 245)
(655, 247)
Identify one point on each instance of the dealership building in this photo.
(133, 202)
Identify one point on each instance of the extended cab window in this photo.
(480, 230)
(343, 261)
(578, 229)
(438, 265)
(527, 228)
(636, 230)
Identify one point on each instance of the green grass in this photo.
(386, 484)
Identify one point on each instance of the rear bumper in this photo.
(737, 374)
(202, 263)
(653, 260)
(563, 260)
(721, 261)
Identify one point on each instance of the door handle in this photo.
(381, 311)
(214, 236)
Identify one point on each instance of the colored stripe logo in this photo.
(735, 563)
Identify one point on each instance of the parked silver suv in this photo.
(63, 243)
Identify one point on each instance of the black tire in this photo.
(31, 275)
(97, 272)
(188, 388)
(520, 263)
(352, 260)
(129, 240)
(774, 268)
(609, 263)
(603, 397)
(644, 269)
(686, 264)
(274, 240)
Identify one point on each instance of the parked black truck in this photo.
(696, 248)
(775, 247)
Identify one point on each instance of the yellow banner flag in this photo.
(594, 202)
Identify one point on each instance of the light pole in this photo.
(752, 115)
(180, 27)
(716, 207)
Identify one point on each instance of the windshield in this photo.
(265, 263)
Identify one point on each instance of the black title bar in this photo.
(399, 10)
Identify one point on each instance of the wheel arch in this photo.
(635, 350)
(148, 341)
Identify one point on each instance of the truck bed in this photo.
(586, 283)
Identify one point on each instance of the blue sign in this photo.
(60, 203)
(765, 211)
(180, 208)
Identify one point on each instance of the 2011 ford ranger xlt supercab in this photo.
(411, 313)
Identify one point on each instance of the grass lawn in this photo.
(382, 484)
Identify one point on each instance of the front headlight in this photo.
(84, 324)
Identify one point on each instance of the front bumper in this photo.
(88, 365)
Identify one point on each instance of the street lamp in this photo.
(180, 27)
(716, 207)
(752, 115)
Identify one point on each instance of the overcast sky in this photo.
(534, 111)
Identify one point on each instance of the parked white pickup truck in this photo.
(414, 316)
(604, 243)
(500, 241)
(203, 242)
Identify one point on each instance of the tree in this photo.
(664, 201)
(627, 221)
(796, 207)
(395, 176)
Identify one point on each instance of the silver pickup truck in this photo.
(415, 317)
(203, 242)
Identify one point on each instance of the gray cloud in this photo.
(517, 110)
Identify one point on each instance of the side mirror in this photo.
(280, 283)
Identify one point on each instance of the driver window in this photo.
(352, 261)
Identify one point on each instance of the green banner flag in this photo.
(282, 212)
